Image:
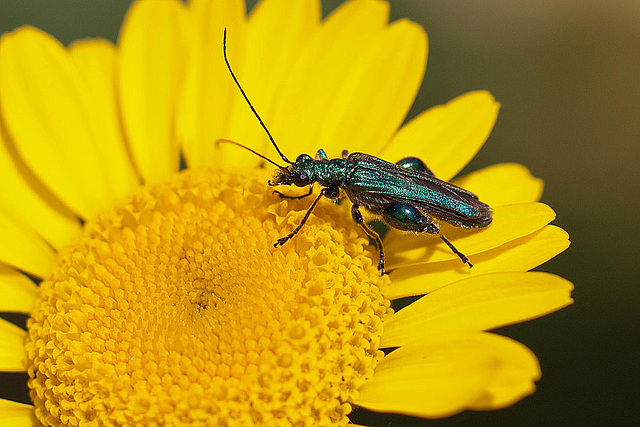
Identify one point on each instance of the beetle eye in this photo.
(301, 180)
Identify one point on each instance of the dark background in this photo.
(568, 76)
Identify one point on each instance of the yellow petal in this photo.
(377, 91)
(23, 248)
(25, 199)
(509, 223)
(447, 136)
(209, 93)
(277, 32)
(314, 96)
(18, 292)
(503, 184)
(521, 254)
(477, 304)
(96, 61)
(154, 55)
(48, 112)
(450, 373)
(12, 353)
(14, 414)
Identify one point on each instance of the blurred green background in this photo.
(567, 75)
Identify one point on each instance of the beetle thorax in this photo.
(330, 173)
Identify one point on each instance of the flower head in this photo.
(169, 310)
(163, 299)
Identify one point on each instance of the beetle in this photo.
(406, 194)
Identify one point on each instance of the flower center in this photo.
(174, 307)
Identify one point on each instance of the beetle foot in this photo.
(281, 241)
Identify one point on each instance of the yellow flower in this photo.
(162, 298)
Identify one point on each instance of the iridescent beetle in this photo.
(406, 194)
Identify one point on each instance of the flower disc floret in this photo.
(174, 308)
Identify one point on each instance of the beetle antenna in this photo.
(228, 141)
(226, 60)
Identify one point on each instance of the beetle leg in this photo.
(462, 256)
(404, 216)
(357, 217)
(321, 155)
(281, 241)
(285, 196)
(331, 192)
(415, 164)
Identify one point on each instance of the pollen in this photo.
(174, 307)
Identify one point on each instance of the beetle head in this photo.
(299, 173)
